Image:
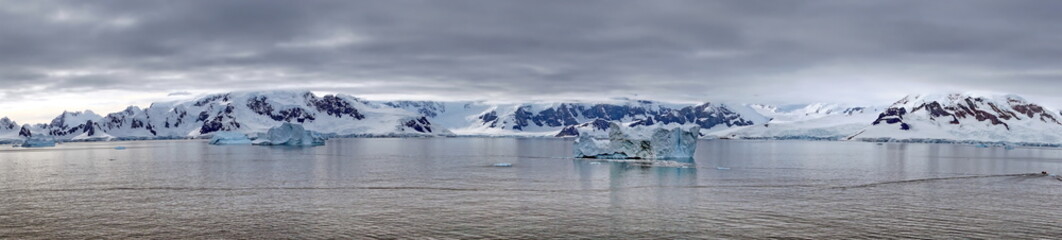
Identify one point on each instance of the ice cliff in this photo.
(290, 134)
(39, 142)
(675, 143)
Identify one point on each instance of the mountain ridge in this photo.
(951, 116)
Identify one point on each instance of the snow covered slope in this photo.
(811, 111)
(956, 116)
(814, 121)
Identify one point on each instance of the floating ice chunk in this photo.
(722, 168)
(674, 143)
(39, 142)
(503, 165)
(229, 138)
(290, 134)
(982, 145)
(119, 148)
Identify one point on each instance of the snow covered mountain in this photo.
(570, 119)
(921, 117)
(956, 116)
(247, 112)
(953, 117)
(9, 130)
(71, 126)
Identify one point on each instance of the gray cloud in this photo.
(748, 51)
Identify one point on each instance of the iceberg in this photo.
(39, 142)
(229, 138)
(676, 143)
(290, 134)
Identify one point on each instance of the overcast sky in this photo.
(106, 55)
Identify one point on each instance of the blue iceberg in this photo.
(290, 134)
(39, 142)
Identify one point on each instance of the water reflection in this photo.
(625, 174)
(445, 188)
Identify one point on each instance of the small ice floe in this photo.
(1008, 147)
(595, 163)
(119, 148)
(502, 165)
(722, 168)
(981, 145)
(229, 138)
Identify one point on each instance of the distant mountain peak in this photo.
(992, 117)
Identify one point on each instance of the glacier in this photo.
(819, 121)
(663, 143)
(289, 134)
(229, 138)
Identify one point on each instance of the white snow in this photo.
(813, 121)
(229, 138)
(289, 134)
(76, 118)
(98, 136)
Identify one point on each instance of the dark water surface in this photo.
(446, 188)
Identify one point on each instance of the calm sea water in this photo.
(447, 188)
